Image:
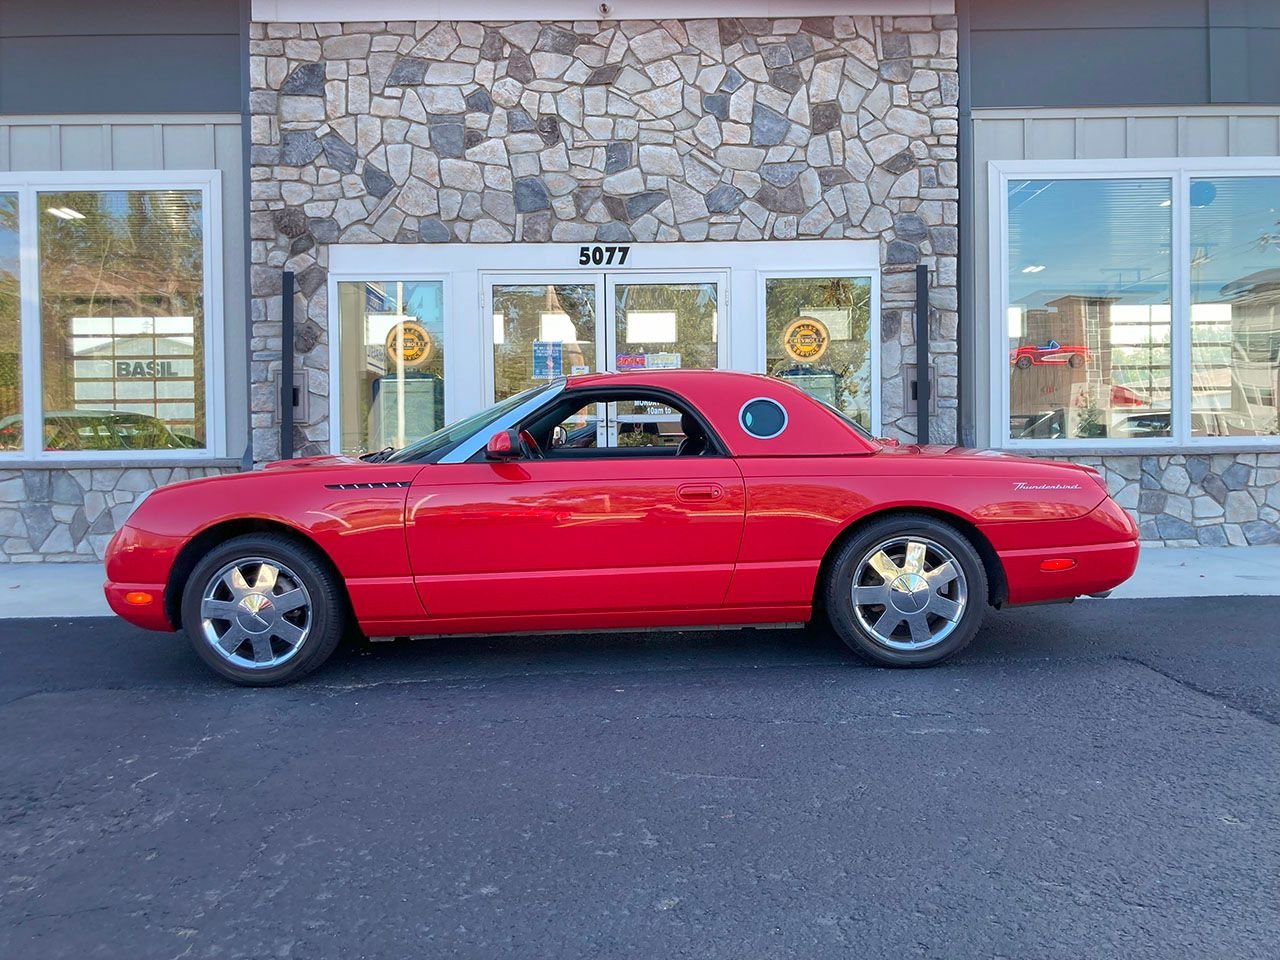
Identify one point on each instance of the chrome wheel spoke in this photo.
(942, 574)
(945, 608)
(873, 595)
(290, 633)
(920, 632)
(266, 579)
(212, 609)
(231, 640)
(262, 647)
(291, 600)
(888, 622)
(914, 562)
(881, 564)
(234, 581)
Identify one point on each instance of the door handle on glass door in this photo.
(700, 491)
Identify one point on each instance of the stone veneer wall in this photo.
(62, 514)
(1190, 500)
(732, 129)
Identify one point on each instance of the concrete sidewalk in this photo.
(75, 589)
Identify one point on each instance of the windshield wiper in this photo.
(378, 456)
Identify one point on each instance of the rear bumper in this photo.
(149, 616)
(1098, 568)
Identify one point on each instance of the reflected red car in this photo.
(773, 509)
(1051, 353)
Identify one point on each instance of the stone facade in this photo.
(1189, 500)
(58, 514)
(633, 130)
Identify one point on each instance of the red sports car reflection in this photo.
(771, 508)
(1050, 353)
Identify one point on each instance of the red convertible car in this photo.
(773, 509)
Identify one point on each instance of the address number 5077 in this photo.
(603, 256)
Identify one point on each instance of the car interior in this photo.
(617, 423)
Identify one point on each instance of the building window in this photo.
(391, 344)
(118, 317)
(1138, 305)
(10, 339)
(817, 336)
(1235, 306)
(122, 319)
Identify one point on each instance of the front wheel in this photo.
(907, 591)
(263, 609)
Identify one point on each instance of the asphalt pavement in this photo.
(1089, 781)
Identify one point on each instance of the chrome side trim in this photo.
(469, 447)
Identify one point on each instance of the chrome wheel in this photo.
(255, 613)
(909, 593)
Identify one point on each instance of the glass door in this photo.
(544, 327)
(660, 322)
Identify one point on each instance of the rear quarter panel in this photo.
(797, 507)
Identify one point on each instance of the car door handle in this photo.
(700, 491)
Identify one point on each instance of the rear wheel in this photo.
(263, 609)
(907, 591)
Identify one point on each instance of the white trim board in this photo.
(1179, 171)
(28, 185)
(328, 11)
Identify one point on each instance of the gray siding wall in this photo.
(120, 56)
(1139, 52)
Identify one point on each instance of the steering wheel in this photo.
(531, 445)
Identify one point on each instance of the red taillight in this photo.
(1057, 564)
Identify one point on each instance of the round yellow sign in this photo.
(409, 345)
(806, 339)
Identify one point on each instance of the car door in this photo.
(603, 533)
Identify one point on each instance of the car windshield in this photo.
(446, 437)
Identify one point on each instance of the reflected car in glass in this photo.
(98, 430)
(758, 505)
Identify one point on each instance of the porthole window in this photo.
(763, 418)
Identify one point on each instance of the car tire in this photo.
(1023, 363)
(931, 584)
(263, 609)
(1075, 360)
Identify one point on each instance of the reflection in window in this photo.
(10, 352)
(1089, 316)
(391, 362)
(541, 332)
(818, 334)
(1235, 306)
(122, 319)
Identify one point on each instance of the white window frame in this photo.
(28, 185)
(467, 269)
(1179, 171)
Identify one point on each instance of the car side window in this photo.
(620, 426)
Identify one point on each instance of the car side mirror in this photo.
(503, 445)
